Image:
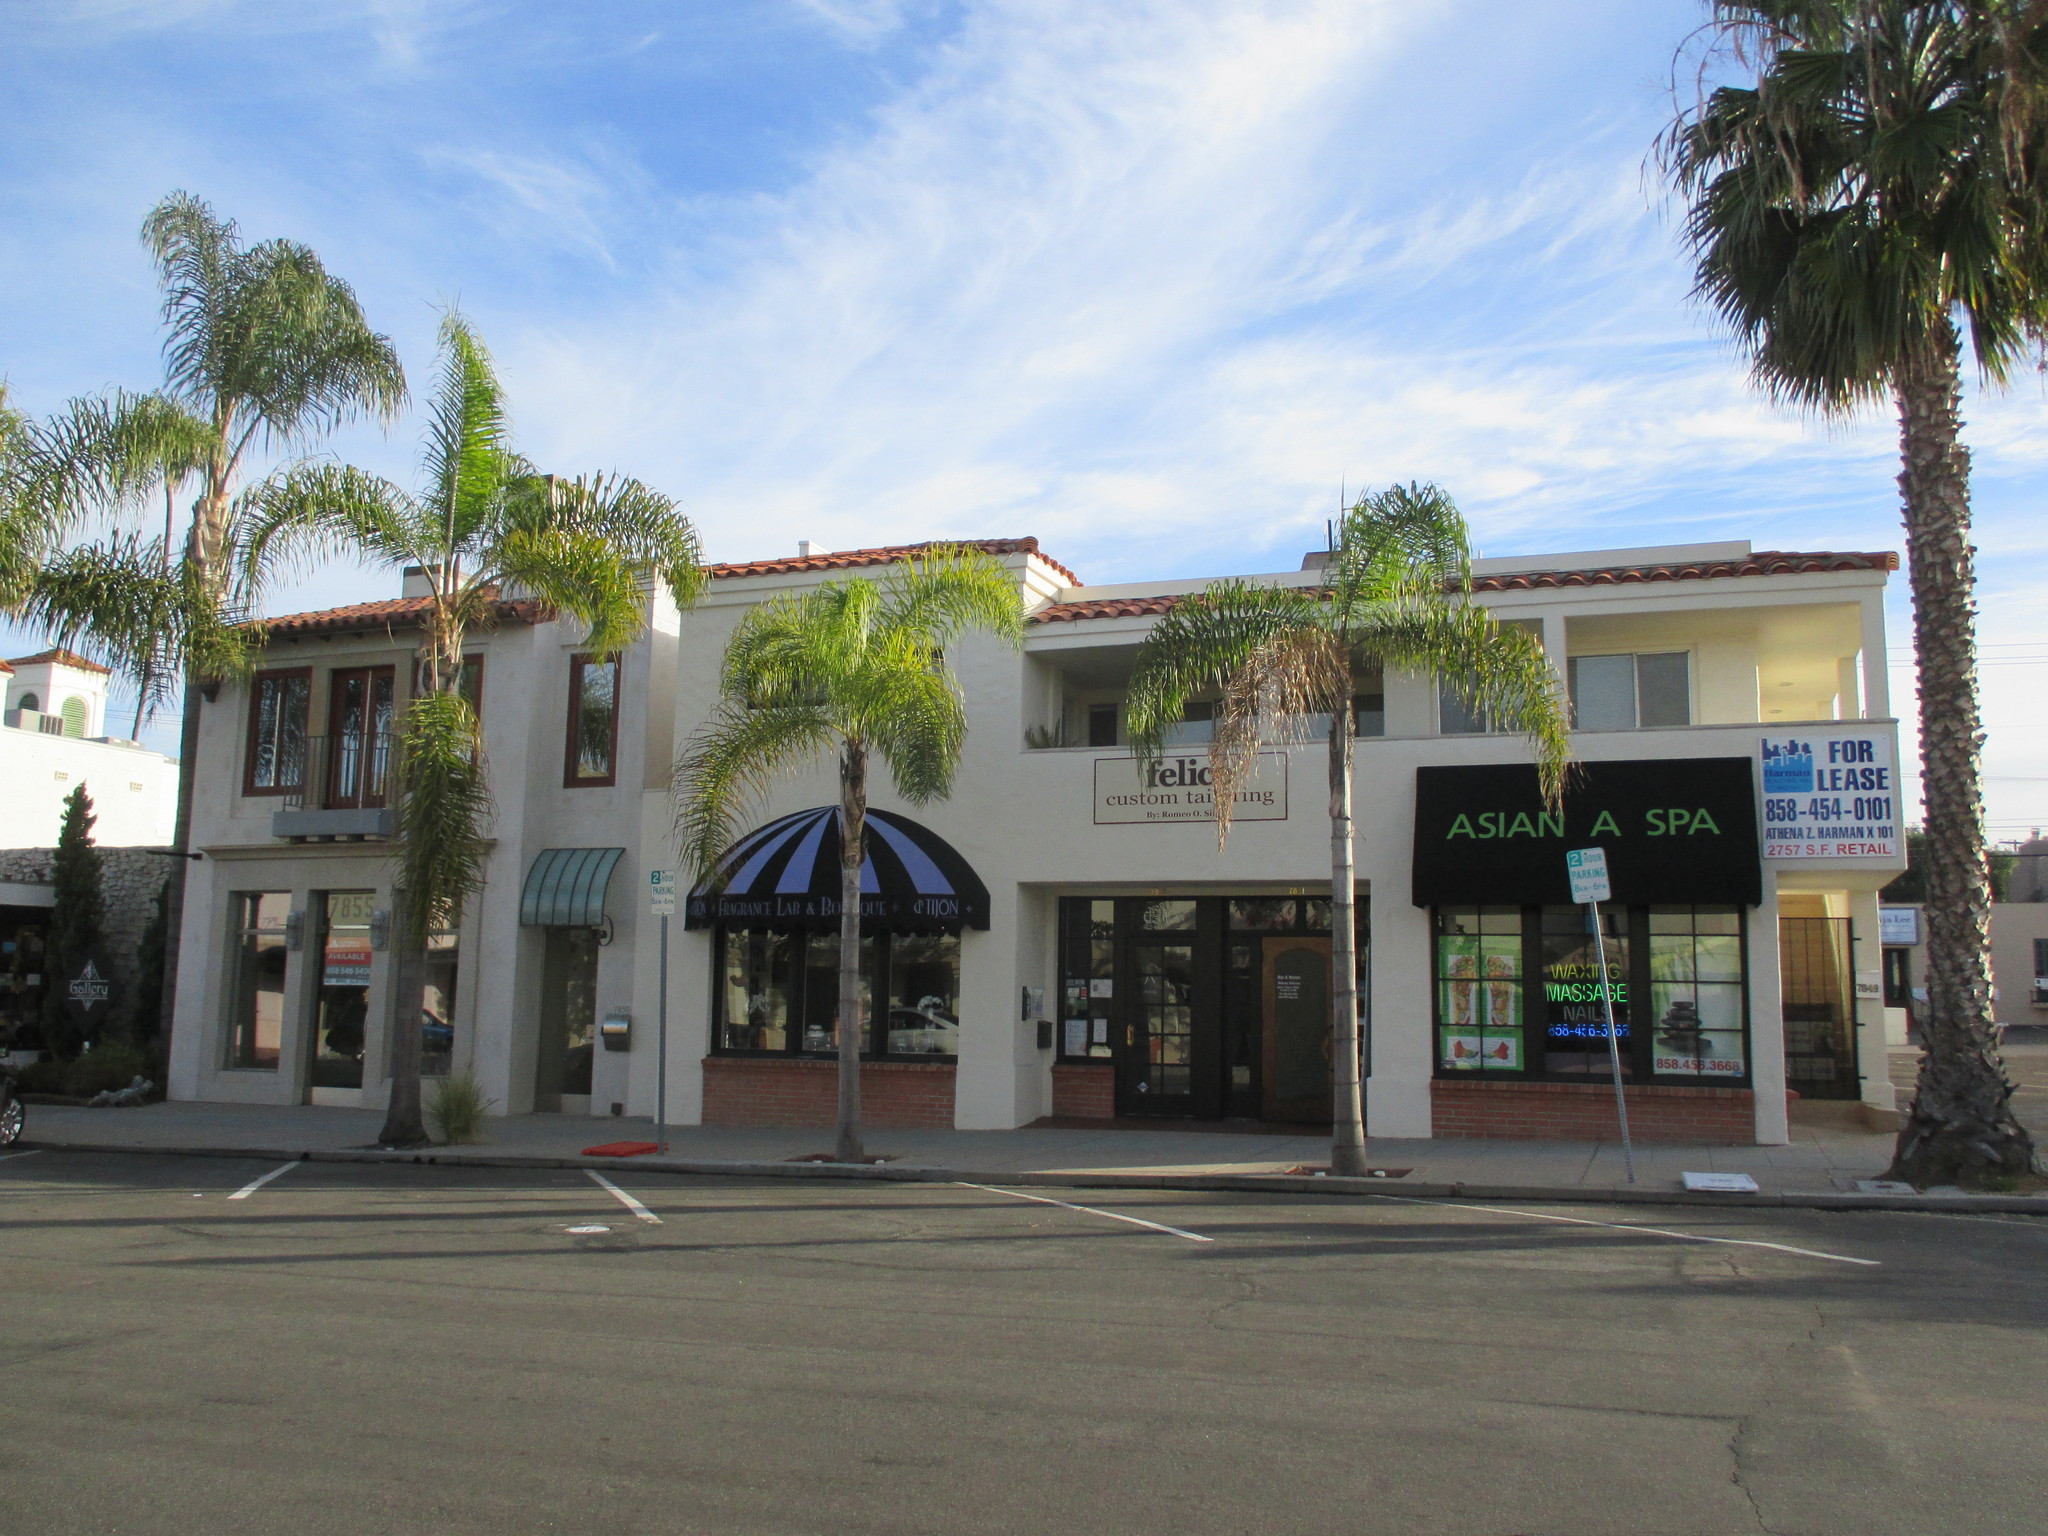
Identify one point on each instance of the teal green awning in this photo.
(566, 886)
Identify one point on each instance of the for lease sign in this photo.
(1830, 795)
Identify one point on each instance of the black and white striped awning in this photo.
(785, 875)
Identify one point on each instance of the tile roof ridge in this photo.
(57, 655)
(880, 554)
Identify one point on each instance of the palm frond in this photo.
(317, 509)
(1200, 644)
(1282, 682)
(726, 769)
(582, 575)
(444, 809)
(468, 460)
(644, 528)
(918, 723)
(949, 589)
(102, 456)
(1404, 535)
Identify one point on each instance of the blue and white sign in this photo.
(1586, 868)
(661, 892)
(1831, 795)
(1898, 926)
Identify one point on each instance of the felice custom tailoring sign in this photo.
(1674, 831)
(1176, 789)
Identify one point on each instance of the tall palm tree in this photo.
(486, 523)
(264, 350)
(1286, 661)
(1875, 191)
(853, 668)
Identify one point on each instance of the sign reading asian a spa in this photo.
(1177, 789)
(1673, 829)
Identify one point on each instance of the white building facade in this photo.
(54, 738)
(1063, 938)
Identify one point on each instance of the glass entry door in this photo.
(568, 1018)
(1819, 1002)
(1296, 1074)
(341, 1006)
(359, 738)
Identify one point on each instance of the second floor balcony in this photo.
(344, 790)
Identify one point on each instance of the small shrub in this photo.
(110, 1064)
(456, 1109)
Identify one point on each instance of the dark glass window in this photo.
(1088, 982)
(276, 759)
(593, 720)
(256, 974)
(341, 1006)
(1101, 725)
(778, 994)
(1519, 989)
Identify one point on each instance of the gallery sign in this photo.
(1673, 830)
(1176, 789)
(1831, 795)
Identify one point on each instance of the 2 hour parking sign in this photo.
(1830, 796)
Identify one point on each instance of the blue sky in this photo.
(1150, 281)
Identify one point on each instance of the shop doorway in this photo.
(341, 1000)
(1207, 1008)
(568, 1021)
(1819, 1007)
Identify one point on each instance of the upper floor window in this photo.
(1456, 713)
(1630, 692)
(276, 762)
(593, 721)
(471, 685)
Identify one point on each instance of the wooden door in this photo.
(1295, 1059)
(359, 738)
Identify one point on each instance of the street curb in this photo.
(1251, 1183)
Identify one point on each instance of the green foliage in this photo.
(75, 920)
(111, 1064)
(145, 1017)
(458, 1109)
(1394, 590)
(1910, 887)
(444, 804)
(1881, 174)
(858, 662)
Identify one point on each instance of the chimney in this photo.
(806, 549)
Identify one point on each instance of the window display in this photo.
(1479, 989)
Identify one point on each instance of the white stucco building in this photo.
(54, 737)
(1063, 937)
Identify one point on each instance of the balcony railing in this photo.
(344, 791)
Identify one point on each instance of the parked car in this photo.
(12, 1116)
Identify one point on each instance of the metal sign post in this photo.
(1587, 870)
(661, 890)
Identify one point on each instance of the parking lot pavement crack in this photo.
(1738, 1476)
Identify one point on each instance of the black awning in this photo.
(785, 875)
(1677, 830)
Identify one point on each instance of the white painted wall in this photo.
(134, 791)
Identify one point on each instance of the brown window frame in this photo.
(256, 680)
(578, 663)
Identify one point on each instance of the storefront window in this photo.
(1479, 989)
(1574, 1013)
(1167, 916)
(1263, 914)
(341, 1008)
(437, 1005)
(1676, 976)
(256, 1006)
(1090, 978)
(1696, 992)
(779, 993)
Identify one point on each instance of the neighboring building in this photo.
(1063, 937)
(2019, 966)
(54, 738)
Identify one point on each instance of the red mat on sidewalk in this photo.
(622, 1149)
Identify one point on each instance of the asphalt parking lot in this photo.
(189, 1347)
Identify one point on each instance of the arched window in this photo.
(73, 711)
(29, 702)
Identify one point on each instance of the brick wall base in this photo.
(1722, 1117)
(799, 1092)
(1084, 1091)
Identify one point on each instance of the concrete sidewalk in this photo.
(1822, 1166)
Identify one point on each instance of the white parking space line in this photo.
(1623, 1226)
(624, 1199)
(1136, 1221)
(253, 1185)
(8, 1157)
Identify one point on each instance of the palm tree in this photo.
(1286, 661)
(853, 668)
(485, 524)
(1877, 189)
(264, 349)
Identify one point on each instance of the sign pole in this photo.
(1587, 870)
(661, 885)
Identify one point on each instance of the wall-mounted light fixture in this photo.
(295, 929)
(380, 928)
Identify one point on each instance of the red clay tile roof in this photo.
(1765, 562)
(394, 613)
(888, 554)
(62, 658)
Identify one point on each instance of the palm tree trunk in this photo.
(853, 818)
(1347, 1110)
(174, 902)
(1961, 1125)
(404, 1121)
